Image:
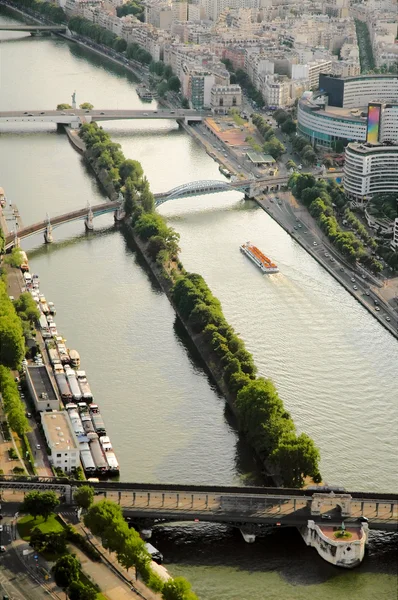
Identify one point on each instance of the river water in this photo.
(334, 366)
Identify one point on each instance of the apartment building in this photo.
(61, 440)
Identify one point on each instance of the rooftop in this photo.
(259, 158)
(59, 431)
(362, 148)
(42, 383)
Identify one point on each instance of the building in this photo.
(370, 169)
(350, 92)
(394, 243)
(42, 389)
(225, 97)
(61, 440)
(323, 125)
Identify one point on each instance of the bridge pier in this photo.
(247, 534)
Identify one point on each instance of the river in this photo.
(334, 366)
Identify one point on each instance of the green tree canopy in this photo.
(78, 591)
(63, 106)
(178, 589)
(40, 504)
(66, 570)
(83, 496)
(174, 83)
(87, 106)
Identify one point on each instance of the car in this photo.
(1, 516)
(355, 287)
(326, 517)
(3, 549)
(145, 114)
(342, 269)
(16, 380)
(62, 113)
(326, 254)
(271, 200)
(367, 293)
(388, 319)
(1, 528)
(29, 415)
(30, 114)
(299, 226)
(26, 112)
(87, 111)
(102, 113)
(38, 447)
(363, 519)
(332, 259)
(377, 308)
(295, 226)
(42, 113)
(314, 243)
(305, 232)
(352, 279)
(73, 114)
(155, 112)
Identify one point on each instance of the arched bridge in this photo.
(41, 226)
(35, 28)
(250, 187)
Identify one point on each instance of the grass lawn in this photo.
(28, 523)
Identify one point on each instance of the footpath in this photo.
(116, 582)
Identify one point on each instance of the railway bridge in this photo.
(252, 509)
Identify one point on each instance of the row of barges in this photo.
(96, 452)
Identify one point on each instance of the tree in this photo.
(162, 88)
(15, 258)
(178, 589)
(174, 84)
(100, 515)
(288, 126)
(86, 106)
(78, 591)
(83, 496)
(66, 570)
(63, 106)
(120, 45)
(130, 169)
(40, 503)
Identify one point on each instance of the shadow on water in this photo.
(284, 551)
(98, 61)
(132, 250)
(87, 237)
(246, 463)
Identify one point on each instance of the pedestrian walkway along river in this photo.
(334, 366)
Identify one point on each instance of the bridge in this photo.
(75, 215)
(35, 29)
(252, 509)
(76, 116)
(250, 187)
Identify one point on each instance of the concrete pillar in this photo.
(148, 499)
(249, 538)
(178, 500)
(162, 500)
(68, 494)
(133, 498)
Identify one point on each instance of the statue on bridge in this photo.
(74, 99)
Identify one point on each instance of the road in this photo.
(16, 581)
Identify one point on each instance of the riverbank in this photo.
(326, 265)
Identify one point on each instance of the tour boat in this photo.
(264, 263)
(144, 93)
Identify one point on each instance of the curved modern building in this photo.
(338, 111)
(370, 169)
(323, 125)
